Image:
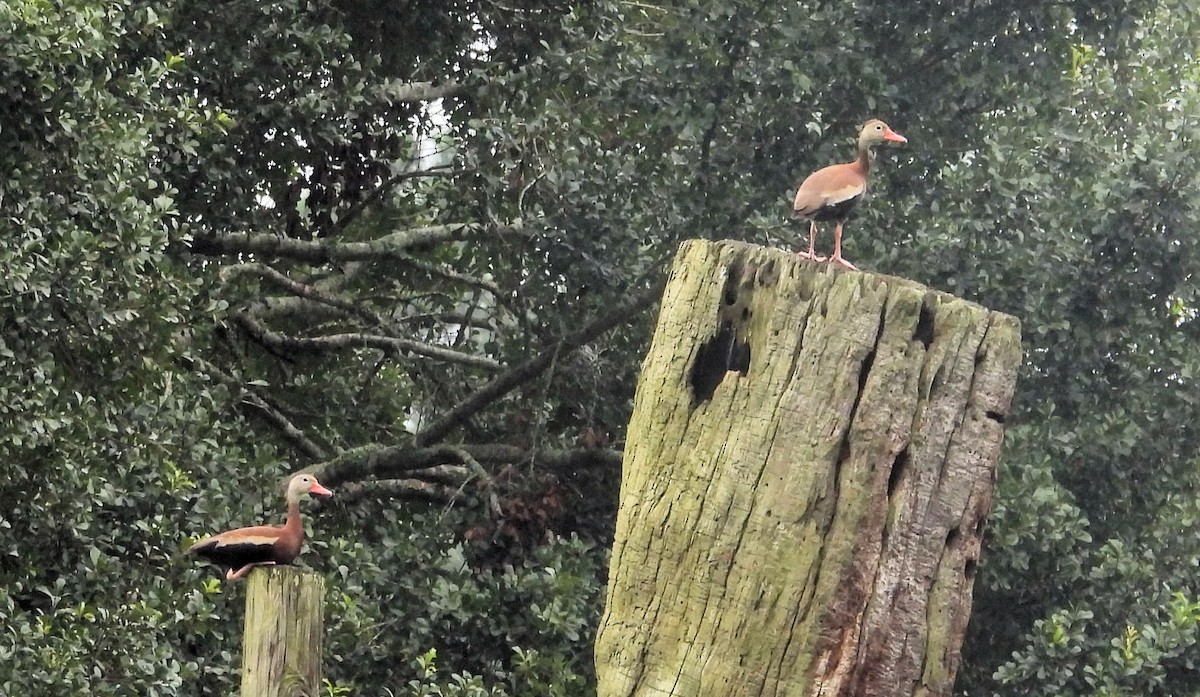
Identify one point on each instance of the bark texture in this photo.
(281, 644)
(806, 479)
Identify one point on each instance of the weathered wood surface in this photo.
(281, 645)
(806, 478)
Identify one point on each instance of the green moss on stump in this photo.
(807, 469)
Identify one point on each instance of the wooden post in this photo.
(281, 645)
(807, 474)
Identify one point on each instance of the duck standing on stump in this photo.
(832, 192)
(239, 551)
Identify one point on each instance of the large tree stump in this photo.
(281, 644)
(807, 473)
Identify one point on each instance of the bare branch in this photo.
(315, 303)
(451, 275)
(399, 91)
(392, 246)
(274, 307)
(440, 462)
(334, 342)
(572, 459)
(310, 297)
(525, 190)
(406, 489)
(290, 432)
(295, 287)
(354, 472)
(452, 475)
(375, 462)
(516, 376)
(472, 316)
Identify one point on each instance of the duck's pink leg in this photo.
(235, 574)
(837, 249)
(812, 241)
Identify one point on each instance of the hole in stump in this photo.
(899, 467)
(712, 360)
(717, 356)
(739, 357)
(924, 330)
(729, 294)
(768, 275)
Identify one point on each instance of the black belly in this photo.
(235, 556)
(837, 211)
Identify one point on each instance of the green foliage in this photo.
(474, 617)
(99, 434)
(1087, 542)
(531, 674)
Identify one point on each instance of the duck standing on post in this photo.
(832, 192)
(239, 551)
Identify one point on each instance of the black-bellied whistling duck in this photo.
(832, 192)
(239, 551)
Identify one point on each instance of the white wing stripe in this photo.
(247, 540)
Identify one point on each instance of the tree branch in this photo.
(406, 489)
(474, 315)
(516, 376)
(274, 307)
(334, 342)
(273, 416)
(572, 459)
(390, 246)
(399, 91)
(296, 288)
(451, 275)
(405, 461)
(450, 475)
(310, 297)
(375, 462)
